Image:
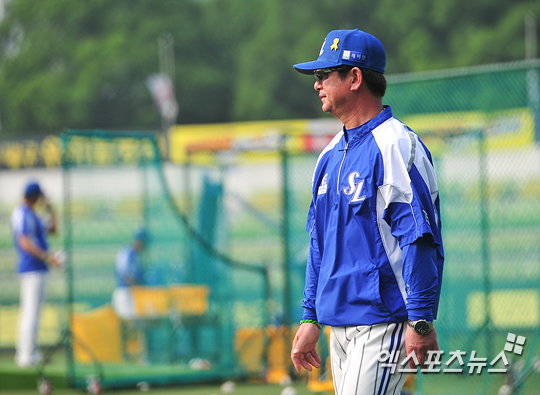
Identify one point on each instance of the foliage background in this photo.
(67, 64)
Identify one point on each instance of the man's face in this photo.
(140, 245)
(31, 200)
(332, 91)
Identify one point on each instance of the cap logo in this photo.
(322, 48)
(334, 45)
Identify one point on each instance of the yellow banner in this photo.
(504, 129)
(16, 154)
(186, 139)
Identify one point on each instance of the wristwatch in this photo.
(422, 327)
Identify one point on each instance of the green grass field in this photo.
(241, 389)
(434, 385)
(16, 381)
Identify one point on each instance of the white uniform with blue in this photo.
(376, 254)
(33, 276)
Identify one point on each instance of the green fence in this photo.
(482, 125)
(232, 222)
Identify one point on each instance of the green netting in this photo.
(108, 197)
(234, 222)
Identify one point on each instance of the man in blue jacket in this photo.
(375, 262)
(30, 238)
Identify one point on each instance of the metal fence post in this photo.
(285, 238)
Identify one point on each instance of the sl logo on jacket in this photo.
(354, 188)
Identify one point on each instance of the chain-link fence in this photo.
(482, 126)
(224, 266)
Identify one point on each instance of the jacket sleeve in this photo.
(412, 213)
(312, 270)
(19, 223)
(421, 277)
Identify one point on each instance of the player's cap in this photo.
(32, 189)
(347, 47)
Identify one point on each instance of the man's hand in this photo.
(420, 345)
(303, 352)
(46, 203)
(51, 227)
(53, 261)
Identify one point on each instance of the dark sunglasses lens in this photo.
(319, 75)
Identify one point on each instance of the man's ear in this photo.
(356, 78)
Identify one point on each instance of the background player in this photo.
(375, 260)
(30, 238)
(129, 272)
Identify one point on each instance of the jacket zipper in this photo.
(341, 165)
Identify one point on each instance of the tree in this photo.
(66, 64)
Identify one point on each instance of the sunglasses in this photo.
(322, 74)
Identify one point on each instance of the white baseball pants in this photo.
(355, 356)
(32, 297)
(122, 303)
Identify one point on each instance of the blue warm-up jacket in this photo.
(376, 252)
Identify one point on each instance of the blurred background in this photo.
(186, 118)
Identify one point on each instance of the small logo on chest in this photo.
(355, 188)
(323, 186)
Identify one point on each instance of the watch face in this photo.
(421, 327)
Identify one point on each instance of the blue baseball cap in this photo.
(347, 47)
(32, 189)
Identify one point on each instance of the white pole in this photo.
(166, 54)
(166, 66)
(530, 35)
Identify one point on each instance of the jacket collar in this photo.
(357, 133)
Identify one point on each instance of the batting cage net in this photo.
(189, 315)
(226, 246)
